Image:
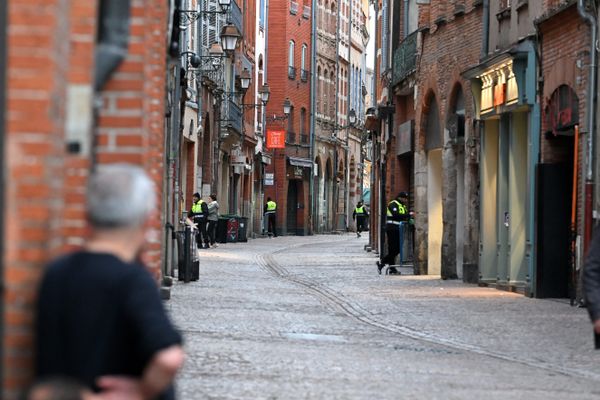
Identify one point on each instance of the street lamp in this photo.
(287, 106)
(264, 93)
(224, 4)
(229, 37)
(352, 117)
(245, 79)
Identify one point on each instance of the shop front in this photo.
(504, 89)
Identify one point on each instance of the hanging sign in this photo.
(275, 139)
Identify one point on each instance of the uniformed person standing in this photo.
(199, 215)
(397, 212)
(271, 216)
(360, 214)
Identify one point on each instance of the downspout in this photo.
(486, 29)
(590, 112)
(375, 222)
(406, 30)
(3, 42)
(263, 116)
(313, 108)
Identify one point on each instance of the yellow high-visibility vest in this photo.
(271, 206)
(197, 207)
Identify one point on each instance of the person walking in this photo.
(198, 215)
(397, 212)
(100, 319)
(360, 214)
(271, 216)
(213, 219)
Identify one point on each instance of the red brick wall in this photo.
(565, 38)
(44, 210)
(288, 27)
(33, 166)
(447, 51)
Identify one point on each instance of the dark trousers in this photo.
(212, 231)
(202, 235)
(272, 223)
(360, 224)
(393, 242)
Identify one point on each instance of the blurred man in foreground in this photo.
(100, 319)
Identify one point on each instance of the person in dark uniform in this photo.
(397, 212)
(271, 216)
(360, 214)
(199, 215)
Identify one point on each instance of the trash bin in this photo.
(243, 229)
(221, 235)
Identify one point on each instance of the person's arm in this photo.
(591, 281)
(157, 342)
(157, 376)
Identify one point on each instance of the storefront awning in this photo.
(300, 162)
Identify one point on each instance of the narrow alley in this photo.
(310, 318)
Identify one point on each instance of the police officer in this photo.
(360, 214)
(397, 212)
(199, 214)
(271, 216)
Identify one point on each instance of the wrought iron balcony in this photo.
(236, 16)
(304, 138)
(405, 59)
(303, 75)
(231, 116)
(291, 72)
(291, 137)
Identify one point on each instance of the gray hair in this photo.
(119, 195)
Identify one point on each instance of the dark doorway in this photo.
(554, 212)
(292, 207)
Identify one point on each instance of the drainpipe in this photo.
(313, 108)
(486, 29)
(590, 112)
(3, 12)
(406, 30)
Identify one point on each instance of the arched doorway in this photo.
(292, 206)
(328, 196)
(555, 186)
(433, 147)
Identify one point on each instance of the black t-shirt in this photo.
(98, 315)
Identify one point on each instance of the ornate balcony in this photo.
(405, 59)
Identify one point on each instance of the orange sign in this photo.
(499, 94)
(276, 139)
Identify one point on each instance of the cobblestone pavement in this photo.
(310, 318)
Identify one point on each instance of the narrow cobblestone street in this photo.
(310, 318)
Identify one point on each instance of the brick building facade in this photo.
(288, 75)
(54, 136)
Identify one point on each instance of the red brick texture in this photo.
(45, 197)
(287, 27)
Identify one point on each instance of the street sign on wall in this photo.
(275, 139)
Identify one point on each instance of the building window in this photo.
(291, 68)
(303, 71)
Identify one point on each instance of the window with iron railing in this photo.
(303, 75)
(291, 137)
(291, 72)
(293, 8)
(304, 139)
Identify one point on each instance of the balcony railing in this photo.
(293, 8)
(303, 75)
(306, 12)
(304, 138)
(405, 59)
(232, 116)
(291, 72)
(291, 137)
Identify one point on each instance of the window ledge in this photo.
(522, 4)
